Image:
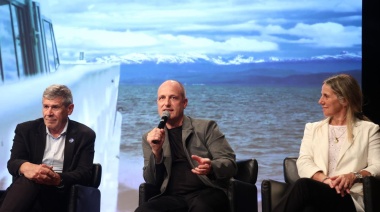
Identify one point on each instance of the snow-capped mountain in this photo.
(139, 58)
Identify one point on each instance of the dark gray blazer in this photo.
(199, 137)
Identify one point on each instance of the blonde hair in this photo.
(346, 87)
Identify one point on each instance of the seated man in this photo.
(189, 159)
(49, 155)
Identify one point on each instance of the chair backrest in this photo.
(96, 175)
(290, 170)
(247, 170)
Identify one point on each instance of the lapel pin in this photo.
(71, 140)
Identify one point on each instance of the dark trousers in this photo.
(313, 196)
(206, 200)
(26, 195)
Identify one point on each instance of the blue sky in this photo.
(256, 28)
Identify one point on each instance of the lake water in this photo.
(265, 123)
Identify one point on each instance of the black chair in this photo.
(85, 198)
(272, 191)
(242, 191)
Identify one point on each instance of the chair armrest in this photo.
(84, 198)
(242, 196)
(271, 193)
(147, 191)
(2, 192)
(96, 175)
(371, 191)
(247, 170)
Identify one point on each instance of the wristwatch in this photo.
(358, 177)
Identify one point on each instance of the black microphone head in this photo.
(166, 114)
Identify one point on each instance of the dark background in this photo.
(371, 54)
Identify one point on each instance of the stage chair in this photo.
(272, 191)
(87, 198)
(242, 191)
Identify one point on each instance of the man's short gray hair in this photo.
(54, 91)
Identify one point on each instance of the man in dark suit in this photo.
(48, 156)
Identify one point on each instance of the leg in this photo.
(20, 196)
(164, 204)
(53, 199)
(310, 194)
(26, 195)
(208, 200)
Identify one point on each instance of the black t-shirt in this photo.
(182, 181)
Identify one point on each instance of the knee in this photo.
(303, 182)
(302, 185)
(26, 183)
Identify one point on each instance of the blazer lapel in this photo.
(324, 140)
(187, 130)
(40, 143)
(70, 143)
(348, 144)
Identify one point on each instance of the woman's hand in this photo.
(343, 183)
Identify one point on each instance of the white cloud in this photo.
(207, 26)
(205, 45)
(122, 14)
(327, 34)
(74, 40)
(95, 38)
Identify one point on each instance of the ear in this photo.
(185, 103)
(343, 101)
(70, 109)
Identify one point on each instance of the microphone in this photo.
(164, 118)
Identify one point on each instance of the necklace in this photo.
(336, 138)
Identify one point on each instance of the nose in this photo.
(49, 111)
(167, 101)
(320, 101)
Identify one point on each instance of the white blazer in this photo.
(362, 154)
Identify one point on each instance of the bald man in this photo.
(189, 159)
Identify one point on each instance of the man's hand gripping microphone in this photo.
(164, 118)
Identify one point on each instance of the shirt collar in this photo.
(64, 131)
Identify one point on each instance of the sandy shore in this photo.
(127, 199)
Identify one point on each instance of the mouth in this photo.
(49, 120)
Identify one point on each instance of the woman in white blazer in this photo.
(336, 153)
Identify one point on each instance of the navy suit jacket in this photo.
(29, 146)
